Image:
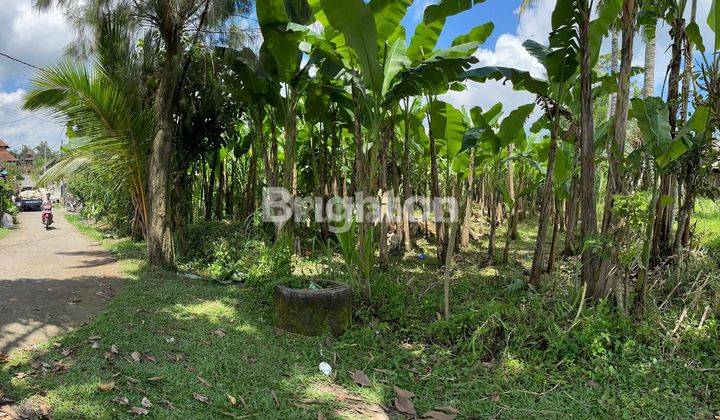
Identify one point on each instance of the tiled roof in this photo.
(5, 156)
(3, 145)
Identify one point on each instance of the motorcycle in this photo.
(47, 216)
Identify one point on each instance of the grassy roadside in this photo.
(4, 232)
(506, 352)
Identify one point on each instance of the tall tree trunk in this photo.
(385, 132)
(159, 240)
(687, 82)
(290, 156)
(407, 238)
(359, 187)
(454, 227)
(467, 214)
(612, 98)
(334, 160)
(688, 175)
(511, 192)
(435, 194)
(616, 156)
(553, 242)
(159, 236)
(492, 209)
(648, 91)
(572, 207)
(545, 217)
(664, 218)
(641, 284)
(588, 225)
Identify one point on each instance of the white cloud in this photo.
(19, 127)
(38, 38)
(535, 23)
(508, 52)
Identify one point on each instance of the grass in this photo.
(506, 351)
(707, 216)
(4, 232)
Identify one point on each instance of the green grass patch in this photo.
(507, 351)
(707, 217)
(4, 232)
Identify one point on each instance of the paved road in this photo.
(50, 281)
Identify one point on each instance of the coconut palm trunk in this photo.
(159, 235)
(588, 226)
(648, 91)
(616, 153)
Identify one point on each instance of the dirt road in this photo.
(50, 281)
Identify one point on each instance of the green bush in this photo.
(223, 247)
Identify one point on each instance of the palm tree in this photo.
(111, 131)
(169, 20)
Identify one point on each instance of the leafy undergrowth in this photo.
(197, 349)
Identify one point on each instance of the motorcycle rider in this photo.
(46, 208)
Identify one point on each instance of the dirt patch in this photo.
(50, 281)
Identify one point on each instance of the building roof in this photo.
(6, 156)
(3, 145)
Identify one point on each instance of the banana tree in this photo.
(281, 57)
(652, 115)
(372, 47)
(494, 144)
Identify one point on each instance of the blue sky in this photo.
(500, 12)
(41, 38)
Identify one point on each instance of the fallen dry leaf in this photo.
(438, 415)
(154, 379)
(233, 400)
(107, 386)
(593, 384)
(448, 409)
(4, 358)
(121, 400)
(139, 411)
(167, 404)
(360, 378)
(204, 382)
(114, 349)
(200, 397)
(404, 393)
(277, 403)
(135, 356)
(495, 397)
(95, 344)
(150, 358)
(404, 405)
(231, 415)
(321, 416)
(11, 413)
(220, 332)
(146, 403)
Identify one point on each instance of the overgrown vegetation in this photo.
(600, 194)
(507, 350)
